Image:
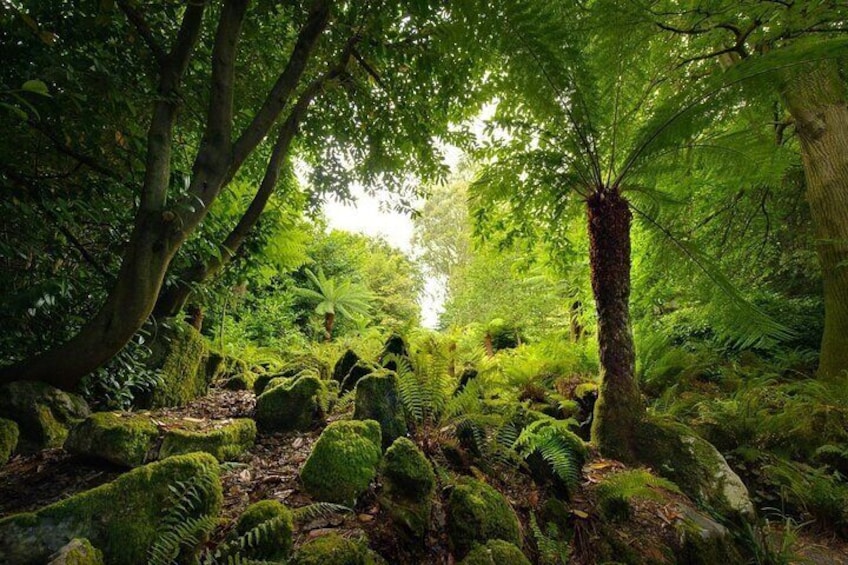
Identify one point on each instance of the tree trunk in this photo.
(329, 321)
(818, 102)
(619, 409)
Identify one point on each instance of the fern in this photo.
(558, 446)
(553, 550)
(318, 510)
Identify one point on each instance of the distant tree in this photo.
(333, 297)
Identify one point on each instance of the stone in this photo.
(122, 518)
(378, 398)
(9, 434)
(395, 346)
(478, 513)
(495, 552)
(343, 366)
(241, 381)
(124, 439)
(333, 549)
(294, 404)
(181, 355)
(78, 551)
(43, 413)
(360, 370)
(409, 486)
(272, 521)
(226, 442)
(343, 461)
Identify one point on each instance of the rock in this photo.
(478, 513)
(343, 366)
(181, 355)
(360, 370)
(121, 438)
(343, 461)
(395, 346)
(495, 552)
(226, 443)
(333, 549)
(241, 381)
(216, 366)
(263, 382)
(78, 551)
(272, 521)
(122, 518)
(378, 398)
(43, 413)
(295, 404)
(468, 375)
(680, 455)
(9, 434)
(409, 485)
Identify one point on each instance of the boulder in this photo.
(43, 413)
(495, 552)
(121, 438)
(78, 551)
(378, 398)
(409, 485)
(343, 366)
(478, 513)
(333, 549)
(227, 441)
(9, 434)
(181, 355)
(356, 373)
(343, 461)
(294, 404)
(271, 524)
(241, 381)
(695, 465)
(122, 518)
(395, 346)
(265, 380)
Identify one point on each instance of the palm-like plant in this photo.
(348, 298)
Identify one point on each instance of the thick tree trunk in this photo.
(619, 409)
(818, 101)
(329, 322)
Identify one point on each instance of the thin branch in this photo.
(141, 26)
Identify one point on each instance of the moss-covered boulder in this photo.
(121, 438)
(680, 455)
(343, 366)
(78, 551)
(227, 441)
(180, 353)
(9, 434)
(271, 524)
(43, 413)
(617, 492)
(294, 404)
(216, 366)
(241, 381)
(122, 518)
(395, 346)
(409, 485)
(378, 398)
(333, 549)
(343, 462)
(478, 513)
(495, 552)
(357, 372)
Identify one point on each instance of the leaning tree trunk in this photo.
(619, 409)
(818, 101)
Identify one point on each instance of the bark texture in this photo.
(619, 409)
(816, 98)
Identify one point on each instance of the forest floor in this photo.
(270, 470)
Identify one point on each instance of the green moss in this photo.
(582, 390)
(122, 518)
(295, 404)
(78, 551)
(616, 491)
(495, 552)
(357, 372)
(226, 443)
(241, 381)
(121, 438)
(180, 353)
(343, 461)
(343, 366)
(378, 398)
(408, 486)
(273, 524)
(478, 513)
(216, 366)
(333, 549)
(43, 413)
(9, 434)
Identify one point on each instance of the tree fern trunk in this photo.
(818, 101)
(329, 322)
(619, 408)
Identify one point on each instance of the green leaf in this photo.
(36, 86)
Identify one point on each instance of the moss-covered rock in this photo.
(241, 381)
(294, 404)
(43, 413)
(680, 455)
(181, 354)
(343, 366)
(122, 518)
(478, 513)
(333, 549)
(9, 434)
(378, 398)
(78, 551)
(356, 373)
(122, 438)
(343, 461)
(216, 366)
(495, 552)
(272, 524)
(226, 442)
(408, 487)
(617, 491)
(395, 346)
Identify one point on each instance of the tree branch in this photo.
(140, 24)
